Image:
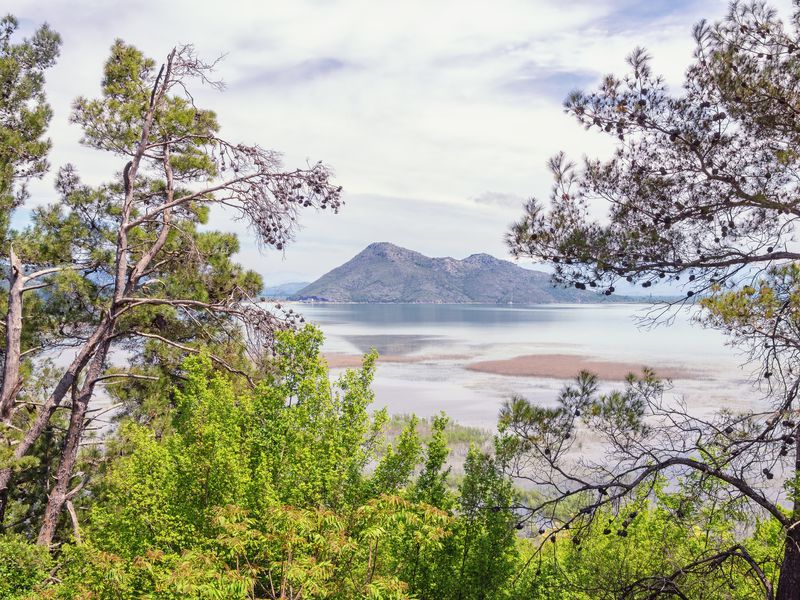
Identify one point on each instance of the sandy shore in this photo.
(567, 366)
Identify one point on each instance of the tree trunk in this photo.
(69, 454)
(789, 580)
(53, 401)
(11, 377)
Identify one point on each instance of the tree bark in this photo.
(789, 580)
(11, 377)
(76, 529)
(69, 454)
(48, 408)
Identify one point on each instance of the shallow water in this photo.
(446, 338)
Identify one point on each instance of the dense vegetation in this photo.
(267, 494)
(290, 490)
(233, 467)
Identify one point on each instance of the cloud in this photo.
(295, 74)
(420, 107)
(500, 199)
(535, 80)
(628, 14)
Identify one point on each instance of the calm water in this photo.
(446, 338)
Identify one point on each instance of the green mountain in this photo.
(383, 272)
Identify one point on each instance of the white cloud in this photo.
(423, 108)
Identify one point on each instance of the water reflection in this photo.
(395, 344)
(445, 338)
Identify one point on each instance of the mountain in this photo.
(383, 272)
(284, 290)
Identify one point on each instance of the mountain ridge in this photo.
(386, 273)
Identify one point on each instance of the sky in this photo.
(437, 116)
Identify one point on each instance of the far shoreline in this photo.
(634, 302)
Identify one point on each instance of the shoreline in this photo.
(338, 360)
(644, 301)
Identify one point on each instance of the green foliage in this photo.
(93, 574)
(289, 490)
(455, 434)
(394, 470)
(275, 479)
(478, 556)
(34, 470)
(753, 313)
(114, 122)
(22, 566)
(292, 490)
(296, 440)
(488, 550)
(599, 562)
(24, 112)
(431, 485)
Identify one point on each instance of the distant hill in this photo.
(283, 291)
(383, 272)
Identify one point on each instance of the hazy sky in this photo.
(437, 116)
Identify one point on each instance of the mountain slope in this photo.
(383, 272)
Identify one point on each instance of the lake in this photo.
(431, 350)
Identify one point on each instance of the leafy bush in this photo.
(22, 566)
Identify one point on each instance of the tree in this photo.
(125, 265)
(478, 556)
(720, 470)
(701, 184)
(24, 116)
(24, 113)
(701, 190)
(599, 562)
(486, 535)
